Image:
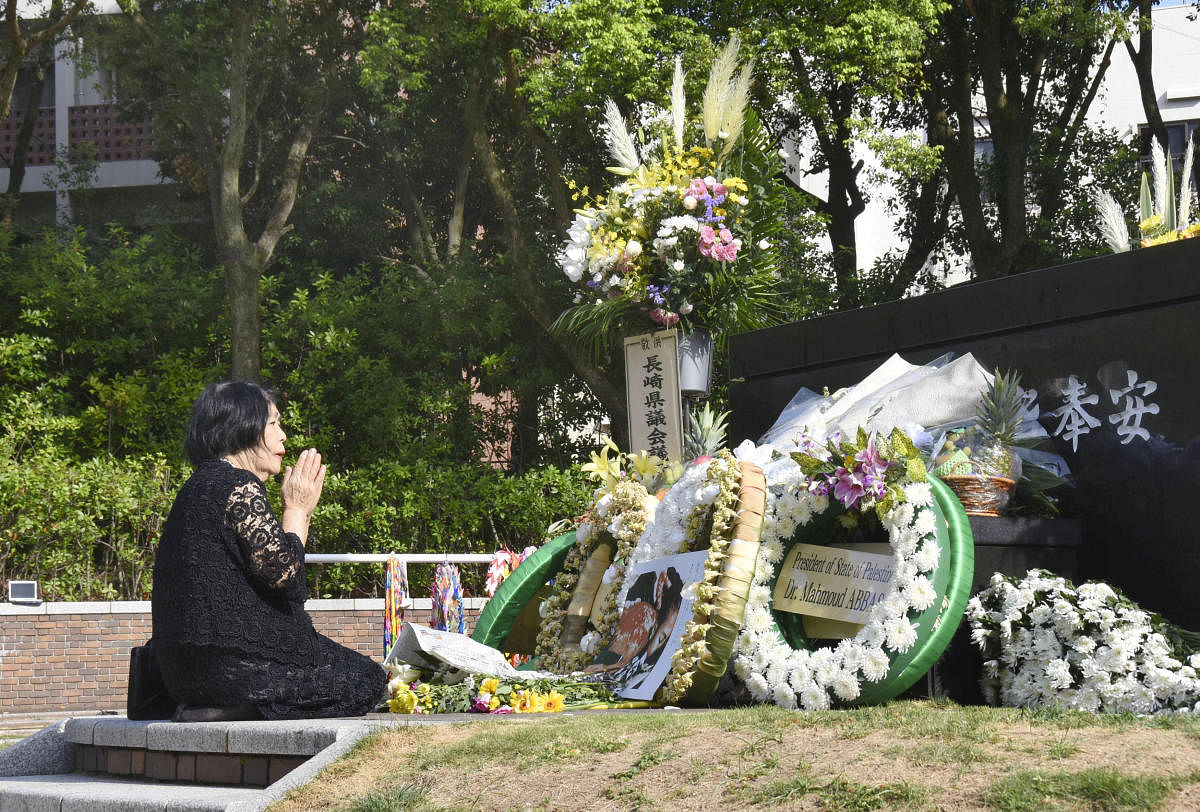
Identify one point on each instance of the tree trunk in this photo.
(241, 283)
(16, 169)
(533, 296)
(1143, 65)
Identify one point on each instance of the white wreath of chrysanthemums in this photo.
(775, 672)
(1047, 642)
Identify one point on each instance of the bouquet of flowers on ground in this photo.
(480, 693)
(1046, 642)
(686, 237)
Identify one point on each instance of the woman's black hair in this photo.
(228, 417)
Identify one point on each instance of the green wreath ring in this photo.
(935, 625)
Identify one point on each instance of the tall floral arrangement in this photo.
(687, 237)
(1160, 219)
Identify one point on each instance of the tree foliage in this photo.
(237, 91)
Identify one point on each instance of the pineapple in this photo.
(705, 434)
(999, 414)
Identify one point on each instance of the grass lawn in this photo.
(904, 755)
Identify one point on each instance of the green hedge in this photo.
(87, 529)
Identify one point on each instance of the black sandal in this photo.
(245, 712)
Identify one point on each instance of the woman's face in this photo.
(266, 458)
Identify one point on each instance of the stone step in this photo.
(114, 764)
(72, 792)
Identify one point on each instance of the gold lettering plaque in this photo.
(837, 583)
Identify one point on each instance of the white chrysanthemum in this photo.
(920, 593)
(825, 671)
(760, 595)
(845, 686)
(784, 696)
(800, 678)
(758, 687)
(758, 620)
(771, 551)
(814, 698)
(875, 664)
(1041, 614)
(928, 556)
(1095, 591)
(1083, 644)
(926, 522)
(850, 651)
(902, 514)
(871, 636)
(1059, 673)
(919, 494)
(901, 634)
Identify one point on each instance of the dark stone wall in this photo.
(1096, 320)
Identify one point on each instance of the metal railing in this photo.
(410, 558)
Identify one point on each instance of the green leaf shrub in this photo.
(105, 343)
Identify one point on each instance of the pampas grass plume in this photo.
(620, 144)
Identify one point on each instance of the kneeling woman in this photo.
(231, 635)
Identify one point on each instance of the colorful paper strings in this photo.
(446, 593)
(394, 598)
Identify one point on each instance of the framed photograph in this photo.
(653, 616)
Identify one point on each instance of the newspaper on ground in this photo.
(435, 650)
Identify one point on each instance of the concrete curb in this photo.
(47, 752)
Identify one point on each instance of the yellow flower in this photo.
(602, 468)
(1151, 222)
(489, 685)
(404, 701)
(494, 702)
(645, 464)
(554, 702)
(537, 703)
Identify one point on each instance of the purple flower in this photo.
(871, 464)
(848, 486)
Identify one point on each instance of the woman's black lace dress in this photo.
(228, 609)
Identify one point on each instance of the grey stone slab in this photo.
(129, 607)
(117, 731)
(80, 730)
(189, 737)
(78, 608)
(22, 609)
(47, 751)
(305, 773)
(78, 793)
(288, 738)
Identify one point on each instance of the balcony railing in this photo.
(41, 145)
(115, 140)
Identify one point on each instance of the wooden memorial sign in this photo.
(652, 388)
